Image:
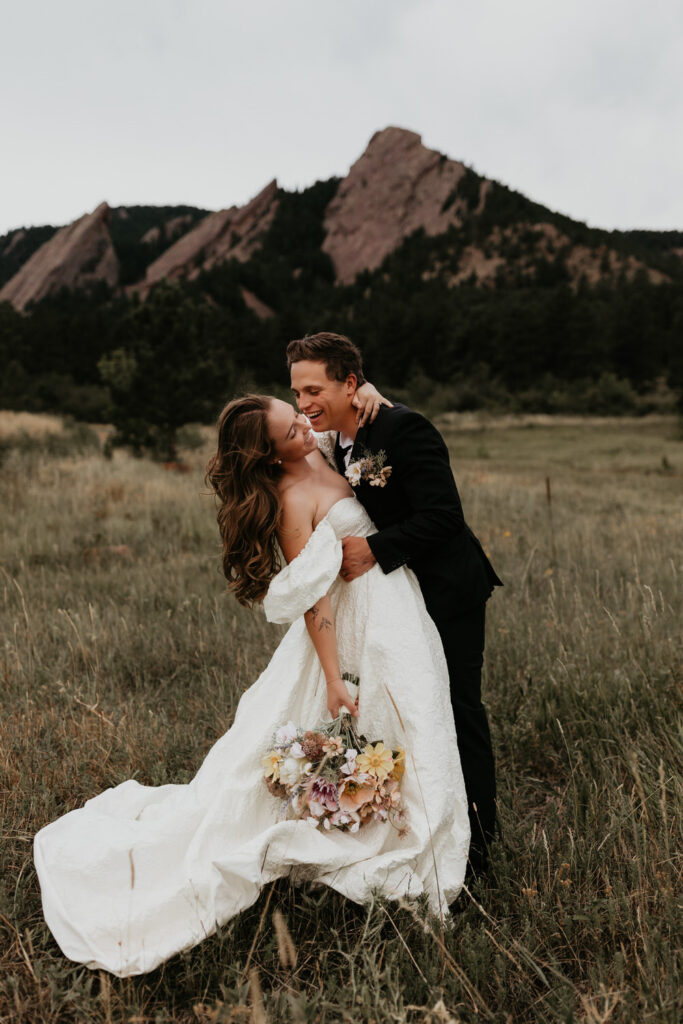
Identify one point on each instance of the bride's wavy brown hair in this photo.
(245, 480)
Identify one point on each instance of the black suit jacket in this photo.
(418, 513)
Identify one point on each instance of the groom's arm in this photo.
(421, 469)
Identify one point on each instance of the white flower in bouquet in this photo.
(286, 734)
(292, 770)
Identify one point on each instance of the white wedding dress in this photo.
(141, 872)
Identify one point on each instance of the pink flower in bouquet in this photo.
(353, 795)
(322, 796)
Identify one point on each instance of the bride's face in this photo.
(290, 431)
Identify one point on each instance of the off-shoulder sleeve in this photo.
(307, 578)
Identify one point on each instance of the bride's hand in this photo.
(338, 697)
(367, 400)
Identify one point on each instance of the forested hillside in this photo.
(509, 305)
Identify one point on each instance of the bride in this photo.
(140, 873)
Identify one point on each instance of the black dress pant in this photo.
(463, 641)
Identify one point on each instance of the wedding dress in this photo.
(139, 872)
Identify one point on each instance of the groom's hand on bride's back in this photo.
(357, 558)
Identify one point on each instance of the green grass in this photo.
(121, 656)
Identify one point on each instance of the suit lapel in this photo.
(360, 444)
(339, 457)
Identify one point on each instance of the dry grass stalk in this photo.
(258, 1010)
(285, 943)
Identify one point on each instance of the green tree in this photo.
(166, 371)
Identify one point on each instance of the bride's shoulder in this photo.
(296, 501)
(297, 512)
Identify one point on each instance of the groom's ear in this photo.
(351, 383)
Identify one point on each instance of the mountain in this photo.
(397, 187)
(16, 247)
(227, 234)
(76, 256)
(441, 274)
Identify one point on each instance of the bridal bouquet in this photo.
(333, 778)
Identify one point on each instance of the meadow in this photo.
(122, 656)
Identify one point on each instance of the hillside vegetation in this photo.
(492, 299)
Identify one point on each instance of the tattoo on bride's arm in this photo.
(313, 612)
(324, 624)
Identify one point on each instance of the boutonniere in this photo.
(372, 468)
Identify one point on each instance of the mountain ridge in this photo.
(397, 187)
(453, 284)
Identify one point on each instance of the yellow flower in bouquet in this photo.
(398, 771)
(377, 760)
(271, 764)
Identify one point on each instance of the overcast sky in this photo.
(579, 104)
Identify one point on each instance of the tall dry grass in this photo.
(121, 656)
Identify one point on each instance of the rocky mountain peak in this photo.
(76, 256)
(394, 188)
(234, 233)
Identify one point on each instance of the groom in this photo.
(420, 523)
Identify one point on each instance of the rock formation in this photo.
(168, 229)
(394, 188)
(78, 255)
(256, 305)
(226, 234)
(17, 237)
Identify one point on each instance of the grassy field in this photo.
(122, 657)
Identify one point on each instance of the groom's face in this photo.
(326, 402)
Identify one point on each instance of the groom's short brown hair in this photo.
(339, 354)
